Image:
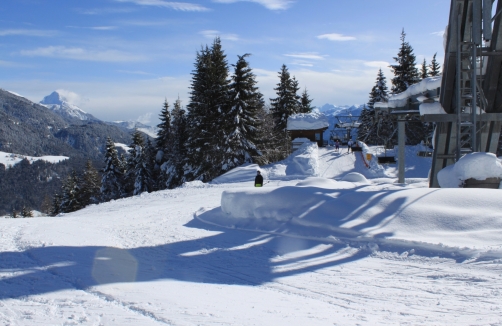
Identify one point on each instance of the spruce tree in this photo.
(305, 102)
(112, 181)
(434, 67)
(163, 136)
(138, 175)
(379, 92)
(172, 169)
(424, 72)
(56, 205)
(287, 101)
(71, 194)
(243, 124)
(26, 212)
(90, 185)
(405, 70)
(207, 115)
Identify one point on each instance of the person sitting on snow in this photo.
(258, 181)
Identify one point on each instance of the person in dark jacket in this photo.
(258, 181)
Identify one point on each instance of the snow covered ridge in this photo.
(308, 121)
(399, 100)
(10, 159)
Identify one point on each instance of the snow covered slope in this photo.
(308, 250)
(9, 159)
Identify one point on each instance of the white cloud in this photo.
(70, 97)
(181, 6)
(28, 32)
(82, 54)
(440, 33)
(336, 37)
(269, 4)
(307, 55)
(211, 34)
(145, 118)
(377, 64)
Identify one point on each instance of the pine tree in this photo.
(245, 103)
(424, 72)
(305, 103)
(163, 139)
(90, 185)
(56, 205)
(138, 175)
(112, 182)
(207, 115)
(405, 71)
(172, 169)
(71, 194)
(434, 67)
(26, 212)
(379, 91)
(287, 101)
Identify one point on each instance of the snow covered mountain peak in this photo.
(61, 102)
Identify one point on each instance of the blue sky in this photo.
(119, 59)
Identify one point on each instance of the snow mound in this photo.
(355, 177)
(243, 173)
(479, 166)
(194, 184)
(443, 217)
(318, 182)
(303, 162)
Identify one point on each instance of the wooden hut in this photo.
(307, 126)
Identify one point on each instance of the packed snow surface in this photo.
(322, 248)
(10, 159)
(308, 121)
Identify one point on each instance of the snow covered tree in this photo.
(112, 181)
(424, 71)
(172, 169)
(379, 92)
(163, 136)
(405, 71)
(305, 102)
(71, 194)
(139, 173)
(207, 115)
(243, 123)
(287, 101)
(90, 185)
(26, 212)
(56, 204)
(434, 67)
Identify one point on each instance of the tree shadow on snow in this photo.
(232, 257)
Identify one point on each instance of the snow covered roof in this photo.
(431, 108)
(308, 121)
(399, 100)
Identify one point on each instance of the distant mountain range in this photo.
(340, 114)
(61, 105)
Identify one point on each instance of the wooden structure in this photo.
(315, 135)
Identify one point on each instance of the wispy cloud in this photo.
(307, 55)
(28, 32)
(336, 37)
(377, 64)
(96, 28)
(137, 72)
(103, 11)
(212, 34)
(440, 33)
(181, 6)
(82, 54)
(269, 4)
